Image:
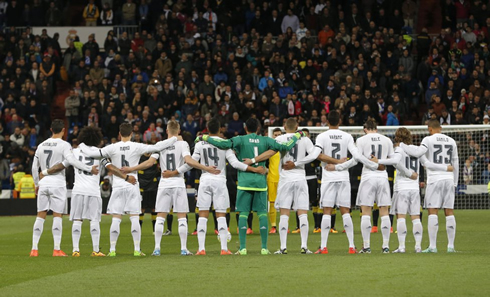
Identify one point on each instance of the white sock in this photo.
(417, 233)
(76, 232)
(401, 228)
(283, 230)
(136, 231)
(37, 231)
(183, 233)
(116, 222)
(451, 230)
(57, 232)
(202, 225)
(223, 233)
(366, 231)
(95, 233)
(325, 225)
(304, 226)
(349, 229)
(385, 230)
(432, 228)
(159, 227)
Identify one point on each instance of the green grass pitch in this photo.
(338, 273)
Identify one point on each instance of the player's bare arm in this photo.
(142, 166)
(211, 169)
(262, 157)
(128, 178)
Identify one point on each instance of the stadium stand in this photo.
(398, 62)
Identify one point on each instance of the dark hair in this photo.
(57, 126)
(125, 129)
(435, 124)
(370, 125)
(306, 130)
(334, 118)
(276, 130)
(91, 136)
(252, 125)
(213, 126)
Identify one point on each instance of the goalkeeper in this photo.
(252, 187)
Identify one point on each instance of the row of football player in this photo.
(437, 153)
(126, 200)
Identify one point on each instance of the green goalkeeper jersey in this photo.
(250, 146)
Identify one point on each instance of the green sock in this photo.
(264, 226)
(242, 230)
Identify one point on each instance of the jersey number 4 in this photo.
(211, 154)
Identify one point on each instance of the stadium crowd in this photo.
(194, 60)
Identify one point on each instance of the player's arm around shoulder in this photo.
(114, 170)
(244, 166)
(142, 166)
(221, 143)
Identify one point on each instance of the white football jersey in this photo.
(439, 149)
(299, 151)
(336, 144)
(51, 152)
(125, 154)
(209, 155)
(87, 183)
(172, 158)
(407, 163)
(377, 145)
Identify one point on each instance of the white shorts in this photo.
(407, 201)
(125, 200)
(213, 191)
(374, 190)
(85, 207)
(293, 194)
(440, 195)
(335, 193)
(51, 199)
(168, 198)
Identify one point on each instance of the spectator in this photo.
(235, 126)
(72, 103)
(151, 134)
(53, 16)
(106, 15)
(17, 137)
(91, 14)
(190, 125)
(129, 13)
(468, 172)
(290, 21)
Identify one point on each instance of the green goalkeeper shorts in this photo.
(257, 200)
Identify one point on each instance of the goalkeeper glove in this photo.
(299, 134)
(201, 138)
